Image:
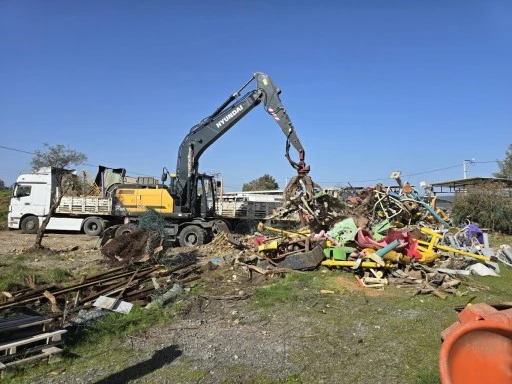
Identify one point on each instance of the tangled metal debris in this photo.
(382, 234)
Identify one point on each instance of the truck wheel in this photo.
(192, 236)
(126, 229)
(29, 224)
(93, 226)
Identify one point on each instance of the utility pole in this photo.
(465, 168)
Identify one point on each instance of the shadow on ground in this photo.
(160, 358)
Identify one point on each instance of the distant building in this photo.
(446, 190)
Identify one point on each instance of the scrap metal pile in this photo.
(383, 235)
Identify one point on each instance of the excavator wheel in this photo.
(126, 229)
(192, 236)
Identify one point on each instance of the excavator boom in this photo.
(220, 121)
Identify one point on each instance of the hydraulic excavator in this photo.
(188, 202)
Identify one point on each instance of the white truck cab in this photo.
(31, 199)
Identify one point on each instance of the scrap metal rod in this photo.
(124, 289)
(74, 288)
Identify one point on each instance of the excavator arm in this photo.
(219, 122)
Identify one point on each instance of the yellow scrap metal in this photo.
(349, 263)
(270, 246)
(283, 232)
(430, 245)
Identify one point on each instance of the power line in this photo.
(87, 164)
(408, 175)
(16, 150)
(434, 170)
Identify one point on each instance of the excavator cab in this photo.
(205, 197)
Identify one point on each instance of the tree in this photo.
(2, 184)
(505, 165)
(59, 158)
(263, 183)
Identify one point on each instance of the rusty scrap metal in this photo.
(33, 298)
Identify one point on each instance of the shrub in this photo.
(488, 205)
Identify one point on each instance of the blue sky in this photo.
(370, 86)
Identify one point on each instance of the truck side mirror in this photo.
(219, 184)
(164, 177)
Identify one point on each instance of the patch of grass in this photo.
(240, 373)
(5, 198)
(181, 307)
(181, 371)
(16, 270)
(58, 275)
(118, 325)
(499, 287)
(198, 289)
(428, 377)
(275, 294)
(14, 275)
(496, 239)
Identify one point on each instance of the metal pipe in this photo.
(388, 248)
(230, 99)
(348, 263)
(485, 235)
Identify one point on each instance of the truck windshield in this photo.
(22, 190)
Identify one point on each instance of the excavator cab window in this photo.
(200, 197)
(172, 182)
(204, 201)
(210, 197)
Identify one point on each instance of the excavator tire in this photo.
(192, 236)
(125, 229)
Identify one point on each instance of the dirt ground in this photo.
(86, 257)
(12, 241)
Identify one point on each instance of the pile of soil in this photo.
(131, 247)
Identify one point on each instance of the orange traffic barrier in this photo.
(477, 349)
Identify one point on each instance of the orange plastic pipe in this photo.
(478, 348)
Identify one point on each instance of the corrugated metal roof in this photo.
(472, 181)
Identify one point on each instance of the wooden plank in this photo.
(44, 354)
(54, 336)
(52, 350)
(28, 351)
